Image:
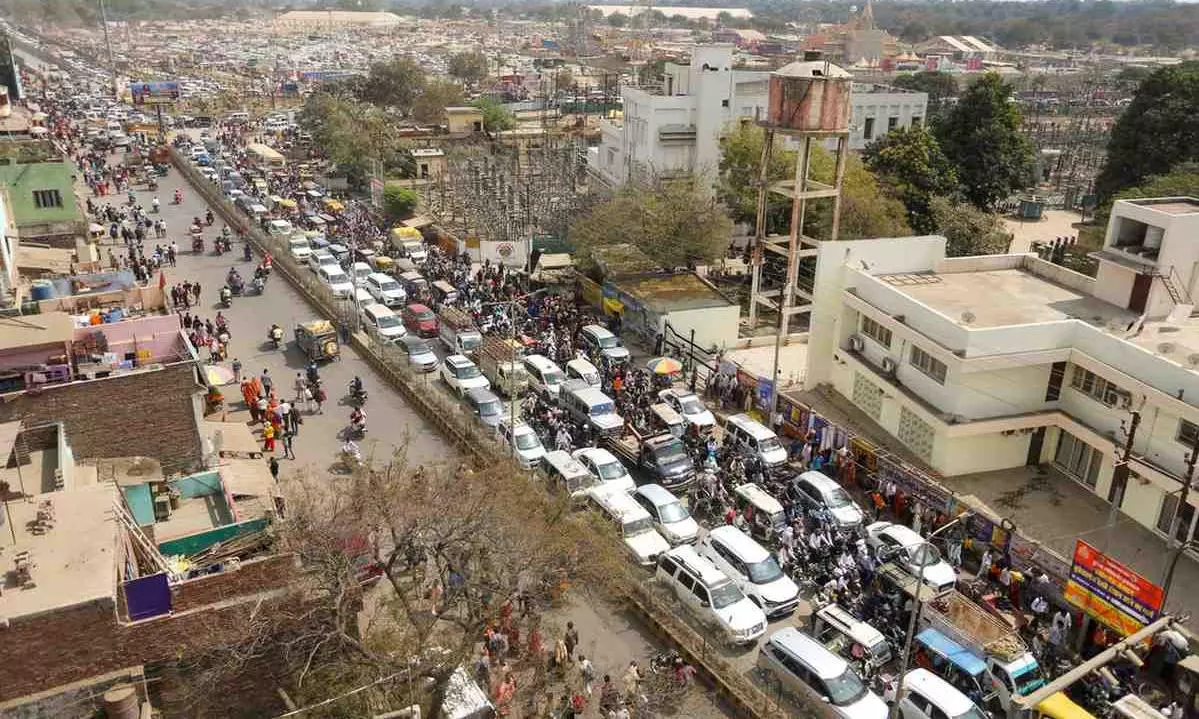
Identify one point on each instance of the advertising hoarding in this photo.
(1110, 592)
(154, 93)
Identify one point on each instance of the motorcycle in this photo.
(258, 286)
(197, 244)
(152, 184)
(246, 252)
(275, 335)
(226, 297)
(355, 430)
(208, 218)
(154, 205)
(357, 396)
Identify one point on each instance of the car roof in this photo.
(820, 480)
(581, 365)
(709, 574)
(755, 429)
(657, 494)
(905, 535)
(541, 362)
(418, 307)
(411, 340)
(379, 276)
(760, 497)
(458, 360)
(739, 543)
(618, 502)
(953, 652)
(377, 309)
(591, 395)
(812, 653)
(597, 454)
(481, 394)
(942, 693)
(598, 331)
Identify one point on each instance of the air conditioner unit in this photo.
(855, 343)
(888, 365)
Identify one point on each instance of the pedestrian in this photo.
(268, 437)
(296, 420)
(288, 453)
(236, 370)
(319, 397)
(587, 670)
(301, 386)
(274, 466)
(309, 403)
(267, 382)
(632, 679)
(572, 640)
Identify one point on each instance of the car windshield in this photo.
(388, 321)
(770, 444)
(424, 314)
(591, 378)
(691, 405)
(845, 689)
(608, 342)
(1028, 679)
(338, 278)
(492, 407)
(971, 713)
(637, 526)
(725, 594)
(389, 286)
(924, 555)
(466, 371)
(599, 410)
(671, 453)
(299, 244)
(765, 571)
(469, 342)
(673, 512)
(554, 377)
(611, 470)
(838, 498)
(527, 440)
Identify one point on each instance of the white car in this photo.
(337, 280)
(529, 450)
(300, 249)
(605, 467)
(321, 258)
(688, 405)
(908, 550)
(461, 374)
(385, 289)
(671, 518)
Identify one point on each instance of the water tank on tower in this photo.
(809, 96)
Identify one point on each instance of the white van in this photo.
(359, 271)
(587, 405)
(755, 570)
(755, 438)
(708, 592)
(583, 370)
(928, 696)
(566, 473)
(803, 666)
(816, 490)
(383, 322)
(635, 525)
(279, 228)
(545, 377)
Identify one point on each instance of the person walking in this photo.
(273, 464)
(301, 386)
(268, 437)
(288, 453)
(236, 366)
(295, 420)
(267, 382)
(572, 640)
(319, 396)
(587, 670)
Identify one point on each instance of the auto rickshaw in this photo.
(332, 206)
(763, 513)
(317, 339)
(382, 263)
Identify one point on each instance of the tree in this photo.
(910, 162)
(940, 87)
(495, 117)
(469, 67)
(968, 230)
(395, 83)
(1156, 131)
(353, 135)
(618, 20)
(673, 223)
(399, 202)
(866, 211)
(437, 95)
(981, 136)
(1182, 181)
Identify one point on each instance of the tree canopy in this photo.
(470, 67)
(399, 202)
(394, 84)
(354, 134)
(981, 136)
(1156, 131)
(909, 161)
(967, 229)
(673, 223)
(495, 117)
(940, 87)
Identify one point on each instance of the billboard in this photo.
(154, 93)
(1110, 592)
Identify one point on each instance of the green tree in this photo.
(1156, 131)
(866, 210)
(395, 84)
(429, 106)
(618, 20)
(969, 230)
(1182, 181)
(399, 202)
(909, 161)
(353, 135)
(469, 67)
(940, 87)
(673, 223)
(981, 136)
(495, 117)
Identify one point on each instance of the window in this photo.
(917, 121)
(1078, 459)
(1097, 388)
(928, 364)
(876, 332)
(892, 123)
(724, 103)
(1188, 432)
(686, 581)
(668, 565)
(1186, 517)
(1053, 391)
(868, 129)
(47, 198)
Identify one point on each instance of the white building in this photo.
(678, 131)
(991, 362)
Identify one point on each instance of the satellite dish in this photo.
(1165, 347)
(968, 317)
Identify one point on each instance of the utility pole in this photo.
(1171, 538)
(1120, 478)
(112, 66)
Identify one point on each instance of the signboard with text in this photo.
(1110, 592)
(154, 93)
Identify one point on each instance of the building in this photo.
(463, 120)
(858, 42)
(41, 193)
(1000, 361)
(316, 20)
(430, 162)
(677, 131)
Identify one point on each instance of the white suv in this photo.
(708, 592)
(385, 289)
(461, 374)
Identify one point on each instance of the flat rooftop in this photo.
(74, 561)
(1004, 297)
(1173, 205)
(672, 293)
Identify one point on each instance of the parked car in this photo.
(337, 280)
(321, 258)
(690, 406)
(708, 592)
(529, 450)
(605, 467)
(816, 490)
(461, 374)
(385, 289)
(486, 406)
(597, 339)
(300, 249)
(383, 322)
(798, 664)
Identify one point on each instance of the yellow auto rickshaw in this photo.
(400, 235)
(332, 206)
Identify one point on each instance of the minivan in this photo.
(545, 377)
(803, 666)
(755, 570)
(754, 438)
(568, 474)
(928, 696)
(816, 490)
(635, 524)
(709, 593)
(383, 322)
(581, 369)
(598, 340)
(671, 518)
(413, 283)
(588, 405)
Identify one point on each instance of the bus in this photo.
(265, 157)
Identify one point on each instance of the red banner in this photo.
(1111, 592)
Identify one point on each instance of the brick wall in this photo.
(39, 652)
(149, 414)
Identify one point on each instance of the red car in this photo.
(420, 320)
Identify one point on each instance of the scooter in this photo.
(226, 297)
(258, 285)
(276, 336)
(358, 397)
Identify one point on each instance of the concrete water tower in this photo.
(808, 102)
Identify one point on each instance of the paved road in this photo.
(390, 420)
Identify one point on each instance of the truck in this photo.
(1012, 668)
(458, 332)
(499, 359)
(660, 455)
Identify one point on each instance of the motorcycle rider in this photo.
(275, 334)
(356, 386)
(208, 217)
(358, 421)
(226, 295)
